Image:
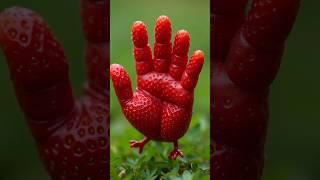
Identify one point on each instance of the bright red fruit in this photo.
(246, 57)
(161, 108)
(72, 136)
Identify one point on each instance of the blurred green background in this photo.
(193, 16)
(18, 154)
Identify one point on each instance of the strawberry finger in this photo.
(162, 45)
(95, 21)
(121, 82)
(97, 62)
(226, 17)
(38, 66)
(142, 51)
(256, 51)
(269, 22)
(180, 54)
(190, 76)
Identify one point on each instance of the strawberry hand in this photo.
(72, 136)
(161, 108)
(247, 52)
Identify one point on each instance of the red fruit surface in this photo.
(247, 51)
(72, 136)
(161, 108)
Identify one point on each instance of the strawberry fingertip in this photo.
(114, 67)
(181, 43)
(198, 54)
(163, 30)
(163, 17)
(139, 34)
(137, 24)
(182, 36)
(183, 33)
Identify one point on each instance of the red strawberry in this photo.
(246, 59)
(94, 15)
(232, 163)
(161, 108)
(72, 137)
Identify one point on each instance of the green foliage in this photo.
(154, 163)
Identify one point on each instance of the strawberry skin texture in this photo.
(36, 61)
(239, 121)
(95, 24)
(247, 56)
(177, 107)
(72, 136)
(77, 149)
(226, 159)
(160, 101)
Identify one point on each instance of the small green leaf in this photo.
(187, 175)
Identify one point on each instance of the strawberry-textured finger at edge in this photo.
(72, 136)
(247, 53)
